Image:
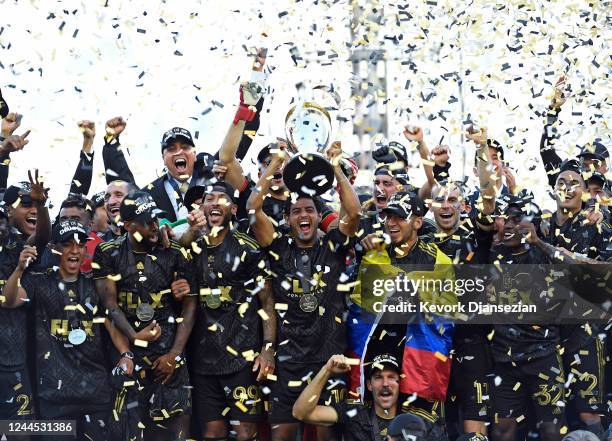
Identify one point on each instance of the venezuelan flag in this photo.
(426, 358)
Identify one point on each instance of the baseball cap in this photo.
(407, 426)
(594, 151)
(174, 134)
(384, 361)
(198, 191)
(98, 199)
(522, 201)
(571, 165)
(139, 206)
(20, 190)
(472, 436)
(404, 204)
(497, 146)
(265, 152)
(68, 229)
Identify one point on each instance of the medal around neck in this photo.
(308, 303)
(77, 336)
(145, 312)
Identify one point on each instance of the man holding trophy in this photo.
(307, 267)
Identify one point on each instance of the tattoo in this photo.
(120, 321)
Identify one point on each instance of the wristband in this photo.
(245, 113)
(128, 354)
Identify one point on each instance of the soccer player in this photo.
(227, 353)
(72, 378)
(307, 273)
(138, 281)
(357, 420)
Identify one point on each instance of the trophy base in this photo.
(309, 174)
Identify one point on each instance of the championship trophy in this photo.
(308, 126)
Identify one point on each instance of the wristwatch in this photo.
(127, 354)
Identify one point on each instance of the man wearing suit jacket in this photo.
(168, 191)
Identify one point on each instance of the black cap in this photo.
(198, 191)
(384, 361)
(68, 229)
(4, 108)
(14, 192)
(594, 151)
(202, 168)
(404, 204)
(523, 202)
(139, 206)
(407, 426)
(473, 436)
(497, 146)
(265, 152)
(571, 165)
(176, 133)
(98, 199)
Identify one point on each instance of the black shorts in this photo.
(16, 395)
(140, 399)
(585, 370)
(469, 382)
(291, 380)
(540, 381)
(233, 397)
(91, 424)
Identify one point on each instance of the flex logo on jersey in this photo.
(61, 328)
(130, 300)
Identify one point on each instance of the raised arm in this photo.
(9, 143)
(115, 164)
(486, 173)
(14, 295)
(306, 408)
(9, 124)
(81, 182)
(416, 134)
(262, 225)
(549, 156)
(351, 208)
(38, 194)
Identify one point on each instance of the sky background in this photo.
(161, 64)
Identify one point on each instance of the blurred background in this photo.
(438, 64)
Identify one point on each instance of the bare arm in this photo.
(263, 227)
(265, 360)
(348, 198)
(227, 154)
(416, 134)
(306, 408)
(107, 289)
(14, 295)
(485, 172)
(183, 330)
(120, 341)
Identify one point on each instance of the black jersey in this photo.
(67, 372)
(311, 325)
(469, 244)
(145, 278)
(227, 332)
(14, 329)
(517, 341)
(359, 422)
(593, 241)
